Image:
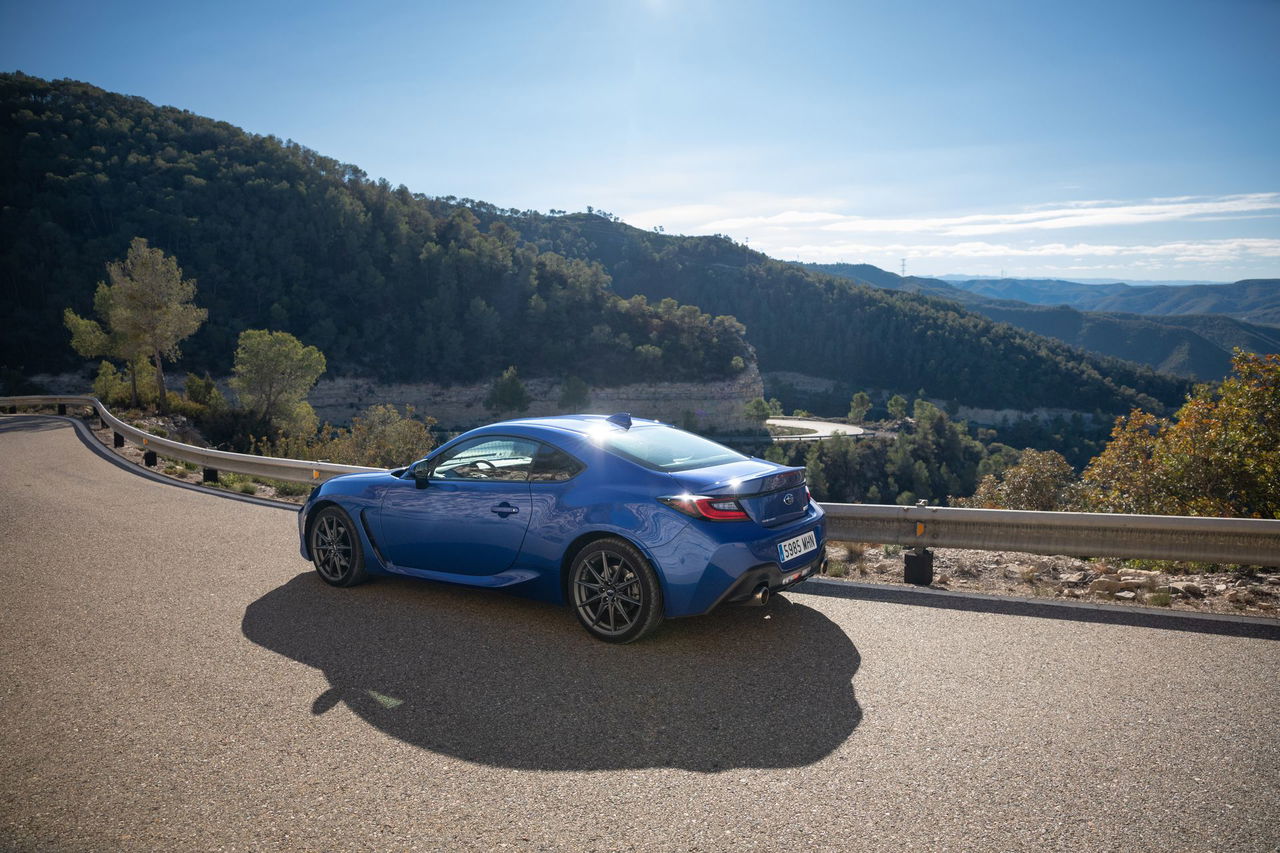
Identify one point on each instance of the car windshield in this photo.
(667, 449)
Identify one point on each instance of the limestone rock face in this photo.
(709, 404)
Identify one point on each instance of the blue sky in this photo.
(1121, 139)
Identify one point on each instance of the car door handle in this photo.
(504, 509)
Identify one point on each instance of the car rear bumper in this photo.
(711, 564)
(768, 575)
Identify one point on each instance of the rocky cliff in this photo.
(699, 405)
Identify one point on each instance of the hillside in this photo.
(386, 283)
(1085, 297)
(821, 325)
(1194, 346)
(401, 286)
(1252, 300)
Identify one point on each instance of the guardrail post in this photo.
(917, 567)
(209, 475)
(62, 408)
(117, 439)
(149, 459)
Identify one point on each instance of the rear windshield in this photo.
(668, 449)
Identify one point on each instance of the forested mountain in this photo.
(822, 325)
(386, 283)
(1252, 300)
(399, 285)
(1192, 345)
(1041, 291)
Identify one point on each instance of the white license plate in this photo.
(793, 548)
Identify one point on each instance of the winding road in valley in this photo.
(175, 677)
(815, 429)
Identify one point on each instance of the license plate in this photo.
(793, 548)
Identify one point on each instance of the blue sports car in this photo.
(629, 521)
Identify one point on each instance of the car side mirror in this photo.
(421, 475)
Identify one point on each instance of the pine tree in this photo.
(507, 393)
(815, 475)
(147, 310)
(859, 405)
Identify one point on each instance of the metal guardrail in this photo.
(1246, 541)
(212, 461)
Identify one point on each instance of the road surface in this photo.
(820, 429)
(174, 677)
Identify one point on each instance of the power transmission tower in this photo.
(904, 267)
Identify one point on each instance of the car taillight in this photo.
(709, 509)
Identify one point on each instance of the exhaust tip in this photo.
(761, 596)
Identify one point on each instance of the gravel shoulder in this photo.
(1032, 576)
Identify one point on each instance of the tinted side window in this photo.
(488, 458)
(552, 465)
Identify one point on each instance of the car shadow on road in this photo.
(513, 683)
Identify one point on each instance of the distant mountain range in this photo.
(1136, 282)
(1253, 300)
(1189, 330)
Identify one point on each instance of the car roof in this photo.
(576, 424)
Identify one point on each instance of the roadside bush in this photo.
(116, 388)
(1042, 480)
(382, 438)
(202, 391)
(288, 488)
(234, 429)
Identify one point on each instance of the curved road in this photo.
(173, 677)
(820, 429)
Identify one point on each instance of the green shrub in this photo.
(180, 405)
(234, 429)
(202, 391)
(114, 388)
(248, 489)
(574, 395)
(287, 489)
(380, 437)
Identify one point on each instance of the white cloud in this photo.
(816, 229)
(1088, 214)
(1182, 251)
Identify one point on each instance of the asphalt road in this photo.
(173, 676)
(821, 429)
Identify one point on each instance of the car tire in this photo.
(614, 591)
(335, 548)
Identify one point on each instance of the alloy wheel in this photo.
(608, 593)
(332, 547)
